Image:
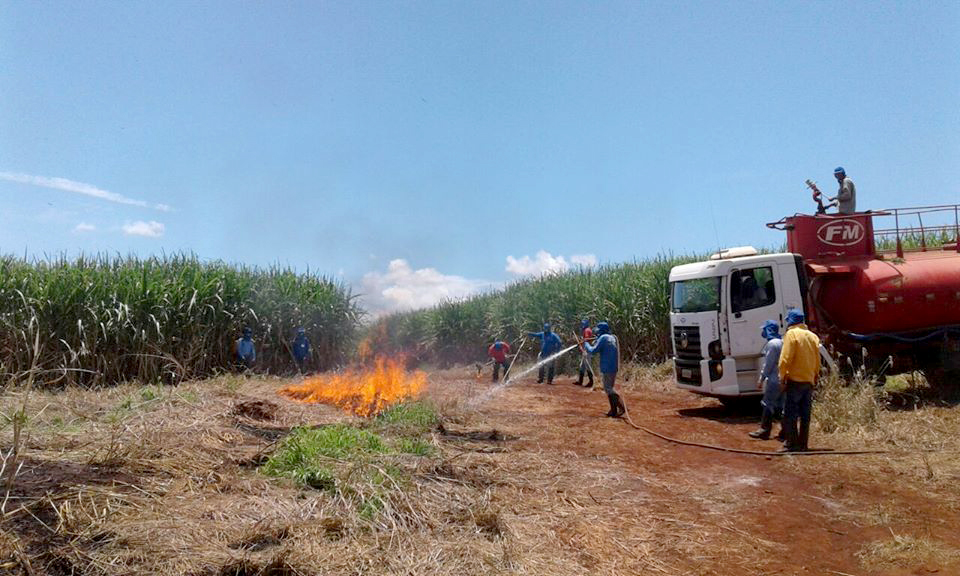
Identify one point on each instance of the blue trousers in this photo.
(798, 400)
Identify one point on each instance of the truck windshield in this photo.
(697, 295)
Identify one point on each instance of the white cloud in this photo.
(151, 229)
(79, 188)
(583, 260)
(84, 227)
(546, 263)
(403, 288)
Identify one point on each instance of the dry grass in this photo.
(165, 480)
(148, 480)
(909, 419)
(906, 551)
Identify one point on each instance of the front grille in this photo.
(688, 371)
(689, 335)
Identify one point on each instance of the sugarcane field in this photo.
(428, 288)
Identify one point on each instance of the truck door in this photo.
(754, 298)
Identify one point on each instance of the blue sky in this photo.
(419, 150)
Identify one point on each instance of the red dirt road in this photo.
(618, 500)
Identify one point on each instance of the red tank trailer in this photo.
(893, 293)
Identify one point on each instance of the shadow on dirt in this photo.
(721, 413)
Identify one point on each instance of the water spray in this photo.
(507, 381)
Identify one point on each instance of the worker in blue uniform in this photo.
(550, 344)
(608, 347)
(246, 352)
(301, 349)
(770, 380)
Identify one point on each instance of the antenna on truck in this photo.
(713, 219)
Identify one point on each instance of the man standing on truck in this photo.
(847, 194)
(770, 380)
(586, 334)
(550, 344)
(799, 368)
(609, 349)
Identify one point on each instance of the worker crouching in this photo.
(609, 349)
(498, 352)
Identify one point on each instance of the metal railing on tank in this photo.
(911, 234)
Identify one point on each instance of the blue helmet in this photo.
(770, 330)
(602, 328)
(585, 323)
(839, 170)
(546, 327)
(247, 331)
(300, 330)
(794, 316)
(497, 344)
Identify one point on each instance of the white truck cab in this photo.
(717, 309)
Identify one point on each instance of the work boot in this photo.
(613, 406)
(590, 384)
(803, 436)
(781, 435)
(790, 439)
(766, 424)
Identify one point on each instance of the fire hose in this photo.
(626, 418)
(583, 356)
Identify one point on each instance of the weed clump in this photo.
(409, 418)
(842, 406)
(307, 454)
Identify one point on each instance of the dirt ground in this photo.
(530, 479)
(724, 513)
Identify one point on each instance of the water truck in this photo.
(881, 300)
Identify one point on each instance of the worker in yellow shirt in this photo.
(799, 368)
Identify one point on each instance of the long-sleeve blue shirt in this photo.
(771, 358)
(301, 348)
(549, 342)
(246, 351)
(770, 373)
(609, 350)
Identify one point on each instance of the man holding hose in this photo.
(550, 344)
(585, 334)
(609, 349)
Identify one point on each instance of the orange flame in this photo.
(362, 392)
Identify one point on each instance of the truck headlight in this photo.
(716, 370)
(714, 350)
